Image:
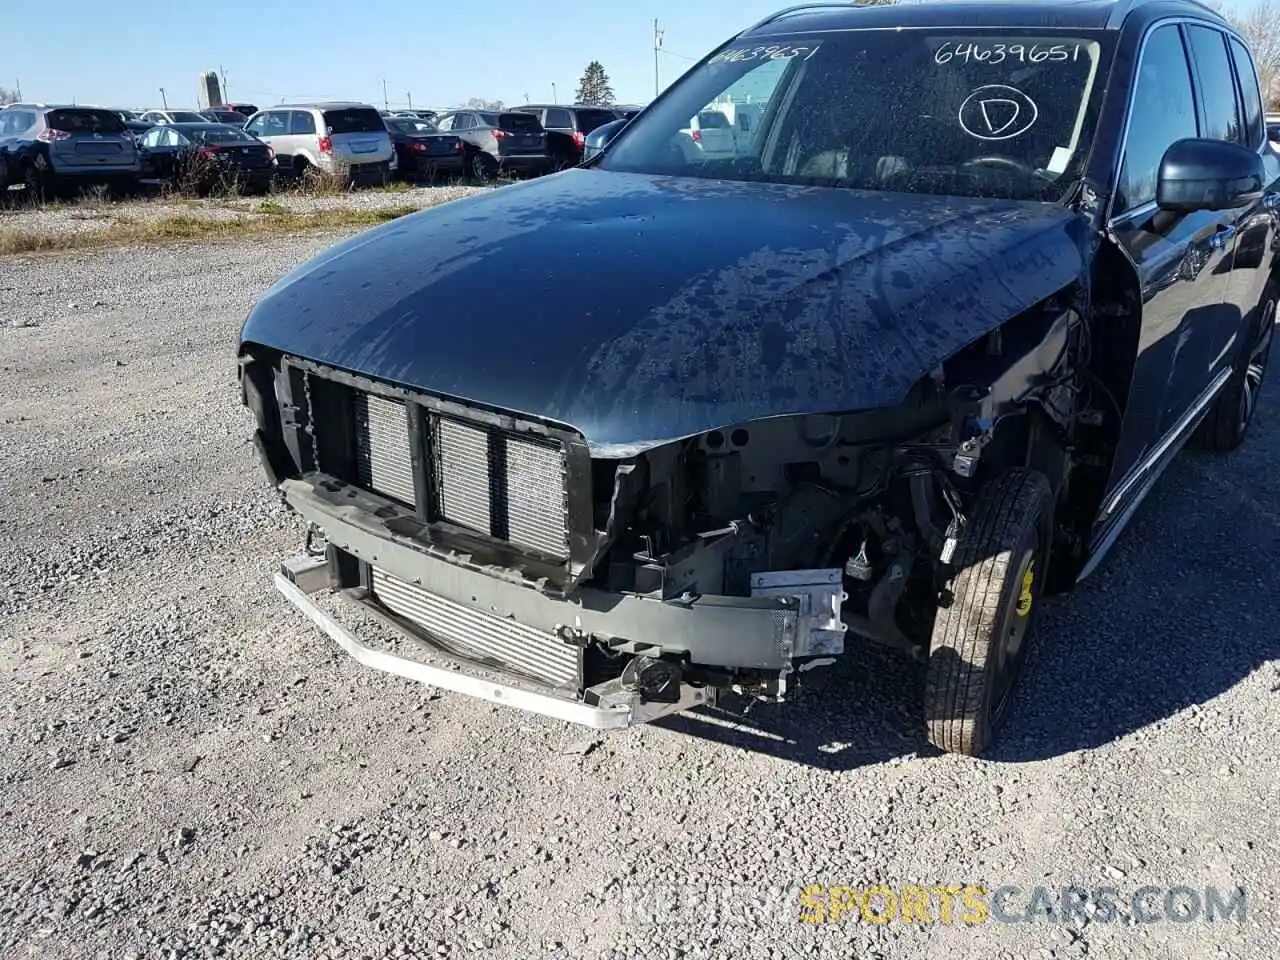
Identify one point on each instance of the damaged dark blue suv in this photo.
(875, 327)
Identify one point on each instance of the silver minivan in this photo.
(346, 139)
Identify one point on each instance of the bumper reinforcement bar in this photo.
(301, 576)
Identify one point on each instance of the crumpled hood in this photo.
(639, 309)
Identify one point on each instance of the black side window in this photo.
(1163, 111)
(302, 121)
(1217, 85)
(1253, 127)
(463, 121)
(559, 120)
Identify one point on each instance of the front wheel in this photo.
(980, 639)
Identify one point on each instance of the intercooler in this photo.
(497, 482)
(478, 635)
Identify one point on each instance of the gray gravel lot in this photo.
(91, 215)
(189, 770)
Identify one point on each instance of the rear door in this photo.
(520, 135)
(1258, 239)
(358, 135)
(1207, 336)
(302, 138)
(81, 137)
(1181, 262)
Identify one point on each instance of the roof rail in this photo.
(796, 9)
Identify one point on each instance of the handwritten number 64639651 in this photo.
(996, 53)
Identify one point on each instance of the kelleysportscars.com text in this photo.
(949, 904)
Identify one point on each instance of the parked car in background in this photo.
(55, 147)
(172, 116)
(1273, 128)
(222, 115)
(246, 110)
(205, 156)
(491, 141)
(422, 151)
(345, 139)
(567, 128)
(626, 111)
(870, 381)
(599, 138)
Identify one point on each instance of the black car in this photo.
(891, 369)
(206, 155)
(567, 128)
(422, 151)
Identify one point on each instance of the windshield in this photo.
(183, 116)
(998, 113)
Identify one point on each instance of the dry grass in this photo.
(268, 218)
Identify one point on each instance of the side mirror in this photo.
(1208, 175)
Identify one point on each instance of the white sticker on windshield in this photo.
(1058, 162)
(997, 111)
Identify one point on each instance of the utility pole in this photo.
(163, 99)
(409, 95)
(657, 45)
(17, 83)
(385, 103)
(222, 75)
(554, 98)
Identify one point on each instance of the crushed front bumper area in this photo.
(615, 709)
(516, 645)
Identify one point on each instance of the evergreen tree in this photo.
(594, 87)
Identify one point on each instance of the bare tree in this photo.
(1259, 25)
(8, 96)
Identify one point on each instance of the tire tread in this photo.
(956, 682)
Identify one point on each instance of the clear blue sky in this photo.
(120, 52)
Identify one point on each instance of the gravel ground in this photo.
(189, 770)
(91, 215)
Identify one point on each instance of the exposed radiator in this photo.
(463, 478)
(480, 635)
(535, 490)
(383, 460)
(497, 482)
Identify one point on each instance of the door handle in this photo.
(1223, 237)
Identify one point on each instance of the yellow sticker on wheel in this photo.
(1024, 598)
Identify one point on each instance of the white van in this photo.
(713, 132)
(346, 139)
